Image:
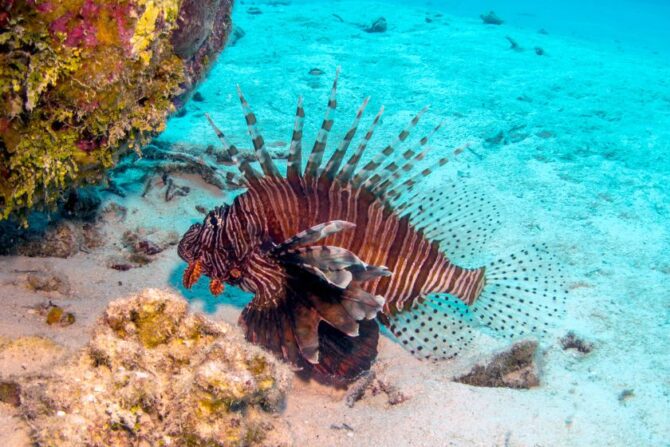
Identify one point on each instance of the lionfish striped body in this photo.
(329, 250)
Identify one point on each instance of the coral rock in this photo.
(154, 374)
(60, 239)
(86, 80)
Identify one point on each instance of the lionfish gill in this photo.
(333, 251)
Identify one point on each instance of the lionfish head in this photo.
(203, 249)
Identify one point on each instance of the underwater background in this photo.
(562, 115)
(573, 145)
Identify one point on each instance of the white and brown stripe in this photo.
(379, 237)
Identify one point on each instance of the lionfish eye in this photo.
(212, 220)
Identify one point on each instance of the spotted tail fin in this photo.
(524, 294)
(520, 295)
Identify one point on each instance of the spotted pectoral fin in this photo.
(436, 327)
(307, 332)
(290, 330)
(337, 278)
(323, 328)
(335, 265)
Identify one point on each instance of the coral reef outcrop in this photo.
(155, 375)
(82, 81)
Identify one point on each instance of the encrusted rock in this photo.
(153, 374)
(512, 368)
(141, 246)
(85, 80)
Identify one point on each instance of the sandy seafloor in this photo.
(585, 169)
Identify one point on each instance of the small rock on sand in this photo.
(491, 18)
(512, 368)
(378, 26)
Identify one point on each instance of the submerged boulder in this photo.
(82, 81)
(154, 374)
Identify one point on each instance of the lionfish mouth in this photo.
(194, 272)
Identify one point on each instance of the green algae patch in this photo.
(82, 82)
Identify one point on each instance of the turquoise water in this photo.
(573, 145)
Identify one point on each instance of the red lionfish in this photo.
(330, 251)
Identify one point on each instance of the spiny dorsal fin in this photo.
(329, 258)
(407, 185)
(395, 193)
(314, 161)
(294, 167)
(460, 219)
(231, 151)
(262, 154)
(393, 170)
(348, 169)
(336, 160)
(367, 170)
